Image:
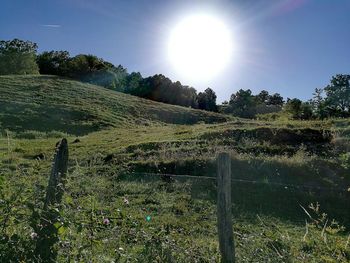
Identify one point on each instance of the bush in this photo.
(345, 160)
(40, 135)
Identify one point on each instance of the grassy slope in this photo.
(183, 213)
(47, 103)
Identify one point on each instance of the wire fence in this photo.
(172, 217)
(269, 183)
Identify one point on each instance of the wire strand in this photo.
(248, 181)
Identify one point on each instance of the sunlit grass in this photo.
(107, 166)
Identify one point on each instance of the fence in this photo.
(48, 232)
(105, 227)
(224, 205)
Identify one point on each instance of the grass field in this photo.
(122, 138)
(78, 108)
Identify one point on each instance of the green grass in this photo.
(121, 137)
(47, 103)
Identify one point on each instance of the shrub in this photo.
(30, 134)
(345, 160)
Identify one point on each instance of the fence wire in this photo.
(268, 183)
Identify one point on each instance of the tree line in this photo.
(21, 57)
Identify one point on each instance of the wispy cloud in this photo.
(51, 26)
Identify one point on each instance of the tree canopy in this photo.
(207, 100)
(18, 57)
(246, 105)
(298, 109)
(87, 68)
(53, 62)
(161, 88)
(334, 99)
(242, 103)
(338, 95)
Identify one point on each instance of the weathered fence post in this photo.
(54, 190)
(48, 231)
(224, 208)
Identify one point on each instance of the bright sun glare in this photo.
(200, 46)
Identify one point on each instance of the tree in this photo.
(117, 80)
(318, 104)
(158, 88)
(298, 109)
(87, 68)
(161, 88)
(306, 111)
(207, 100)
(133, 83)
(293, 106)
(263, 97)
(337, 98)
(91, 69)
(275, 99)
(81, 66)
(113, 78)
(187, 97)
(18, 57)
(243, 104)
(53, 62)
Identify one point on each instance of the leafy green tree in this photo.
(293, 106)
(263, 97)
(337, 98)
(188, 97)
(53, 62)
(87, 68)
(275, 99)
(133, 83)
(207, 100)
(243, 104)
(117, 80)
(156, 88)
(81, 66)
(298, 109)
(113, 78)
(306, 111)
(318, 104)
(18, 57)
(161, 88)
(138, 86)
(91, 69)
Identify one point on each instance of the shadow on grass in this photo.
(21, 117)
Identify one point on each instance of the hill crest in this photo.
(47, 103)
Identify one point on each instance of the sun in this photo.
(200, 46)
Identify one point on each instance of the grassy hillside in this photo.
(121, 139)
(47, 103)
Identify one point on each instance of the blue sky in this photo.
(285, 46)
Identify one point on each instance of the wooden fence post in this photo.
(54, 190)
(224, 208)
(48, 231)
